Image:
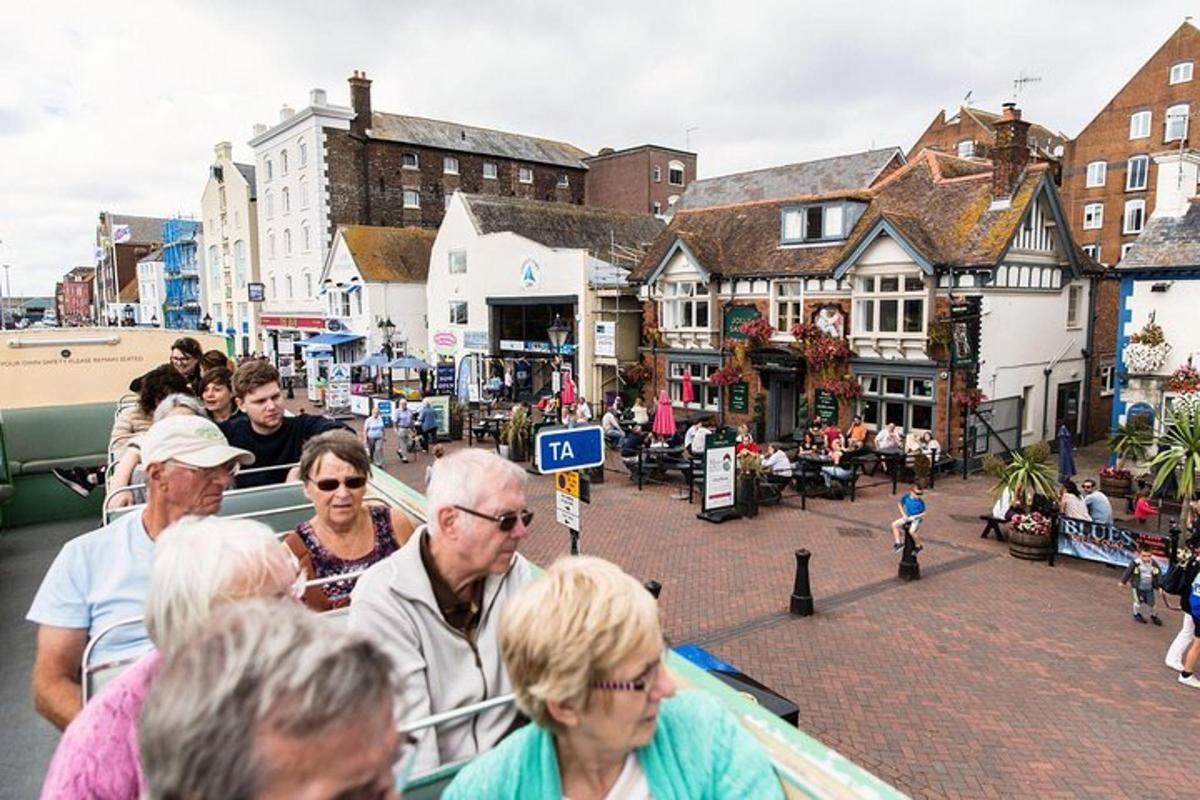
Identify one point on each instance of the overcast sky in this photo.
(116, 106)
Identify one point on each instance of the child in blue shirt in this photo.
(912, 511)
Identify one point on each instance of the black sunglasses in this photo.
(506, 521)
(331, 484)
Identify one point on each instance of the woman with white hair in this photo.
(584, 648)
(199, 565)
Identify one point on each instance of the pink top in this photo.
(97, 757)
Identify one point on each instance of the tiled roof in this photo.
(395, 255)
(1167, 242)
(142, 230)
(468, 139)
(824, 176)
(1044, 140)
(563, 225)
(940, 204)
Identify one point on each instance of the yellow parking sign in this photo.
(568, 482)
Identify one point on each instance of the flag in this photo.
(121, 234)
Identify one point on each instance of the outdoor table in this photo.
(488, 426)
(662, 459)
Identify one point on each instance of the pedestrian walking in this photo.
(1146, 577)
(404, 429)
(372, 432)
(912, 511)
(428, 422)
(439, 450)
(1190, 567)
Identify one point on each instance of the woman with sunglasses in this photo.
(199, 566)
(584, 648)
(344, 535)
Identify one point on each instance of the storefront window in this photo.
(707, 396)
(906, 401)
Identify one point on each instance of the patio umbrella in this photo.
(689, 393)
(373, 360)
(409, 362)
(664, 417)
(1066, 459)
(568, 389)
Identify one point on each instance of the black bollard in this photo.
(910, 570)
(802, 602)
(291, 395)
(1173, 556)
(654, 588)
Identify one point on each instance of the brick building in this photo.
(971, 133)
(121, 241)
(877, 255)
(1109, 179)
(647, 179)
(74, 302)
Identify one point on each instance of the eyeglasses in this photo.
(221, 470)
(639, 684)
(181, 359)
(332, 484)
(506, 521)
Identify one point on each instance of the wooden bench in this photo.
(992, 525)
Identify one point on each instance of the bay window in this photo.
(904, 400)
(889, 304)
(685, 305)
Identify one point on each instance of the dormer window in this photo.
(815, 223)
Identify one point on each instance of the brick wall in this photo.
(367, 181)
(1106, 138)
(945, 137)
(624, 181)
(1104, 345)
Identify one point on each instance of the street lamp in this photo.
(387, 327)
(206, 323)
(558, 333)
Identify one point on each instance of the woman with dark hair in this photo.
(216, 390)
(344, 535)
(1070, 504)
(214, 359)
(185, 358)
(155, 385)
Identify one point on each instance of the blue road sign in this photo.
(561, 449)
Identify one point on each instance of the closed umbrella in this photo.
(689, 393)
(568, 389)
(664, 417)
(1066, 458)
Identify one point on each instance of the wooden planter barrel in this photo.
(1029, 546)
(1116, 487)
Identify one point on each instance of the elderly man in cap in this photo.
(100, 578)
(434, 605)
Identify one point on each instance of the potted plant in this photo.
(458, 413)
(937, 345)
(514, 435)
(1027, 474)
(922, 468)
(1116, 481)
(1129, 443)
(1179, 454)
(750, 472)
(1029, 536)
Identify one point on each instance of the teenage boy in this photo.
(912, 511)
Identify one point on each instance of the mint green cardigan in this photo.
(699, 752)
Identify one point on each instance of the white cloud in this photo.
(118, 106)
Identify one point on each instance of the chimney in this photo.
(316, 97)
(1010, 153)
(286, 112)
(259, 129)
(1178, 173)
(223, 151)
(360, 102)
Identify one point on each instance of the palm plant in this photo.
(1129, 442)
(1029, 473)
(1179, 452)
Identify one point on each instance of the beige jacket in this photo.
(129, 424)
(436, 668)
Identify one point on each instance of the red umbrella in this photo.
(664, 417)
(568, 389)
(689, 393)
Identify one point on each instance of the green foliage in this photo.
(1029, 473)
(760, 407)
(1130, 442)
(1181, 454)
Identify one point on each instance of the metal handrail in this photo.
(85, 670)
(131, 487)
(435, 720)
(64, 340)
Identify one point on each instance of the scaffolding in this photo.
(181, 274)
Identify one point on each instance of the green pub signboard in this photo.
(736, 317)
(739, 398)
(825, 405)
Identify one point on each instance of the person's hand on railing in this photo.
(119, 500)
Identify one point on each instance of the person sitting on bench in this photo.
(835, 470)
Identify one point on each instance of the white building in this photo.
(151, 289)
(293, 215)
(374, 275)
(501, 271)
(230, 253)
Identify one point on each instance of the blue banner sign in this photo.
(1108, 544)
(560, 449)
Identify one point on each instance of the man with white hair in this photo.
(271, 701)
(100, 578)
(435, 604)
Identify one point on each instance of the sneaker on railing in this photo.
(75, 479)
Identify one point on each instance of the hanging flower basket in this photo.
(758, 331)
(969, 398)
(1145, 359)
(1185, 380)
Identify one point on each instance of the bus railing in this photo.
(109, 513)
(95, 676)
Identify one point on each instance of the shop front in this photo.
(520, 337)
(903, 394)
(782, 373)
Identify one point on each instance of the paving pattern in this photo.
(990, 677)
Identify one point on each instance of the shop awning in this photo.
(329, 340)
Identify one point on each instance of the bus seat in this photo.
(95, 676)
(38, 440)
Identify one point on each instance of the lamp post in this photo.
(387, 327)
(206, 323)
(558, 333)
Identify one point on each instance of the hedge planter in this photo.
(1116, 487)
(1029, 546)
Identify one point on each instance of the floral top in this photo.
(321, 563)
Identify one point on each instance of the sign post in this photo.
(563, 452)
(720, 480)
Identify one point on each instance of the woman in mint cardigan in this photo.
(583, 646)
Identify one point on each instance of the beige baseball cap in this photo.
(191, 440)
